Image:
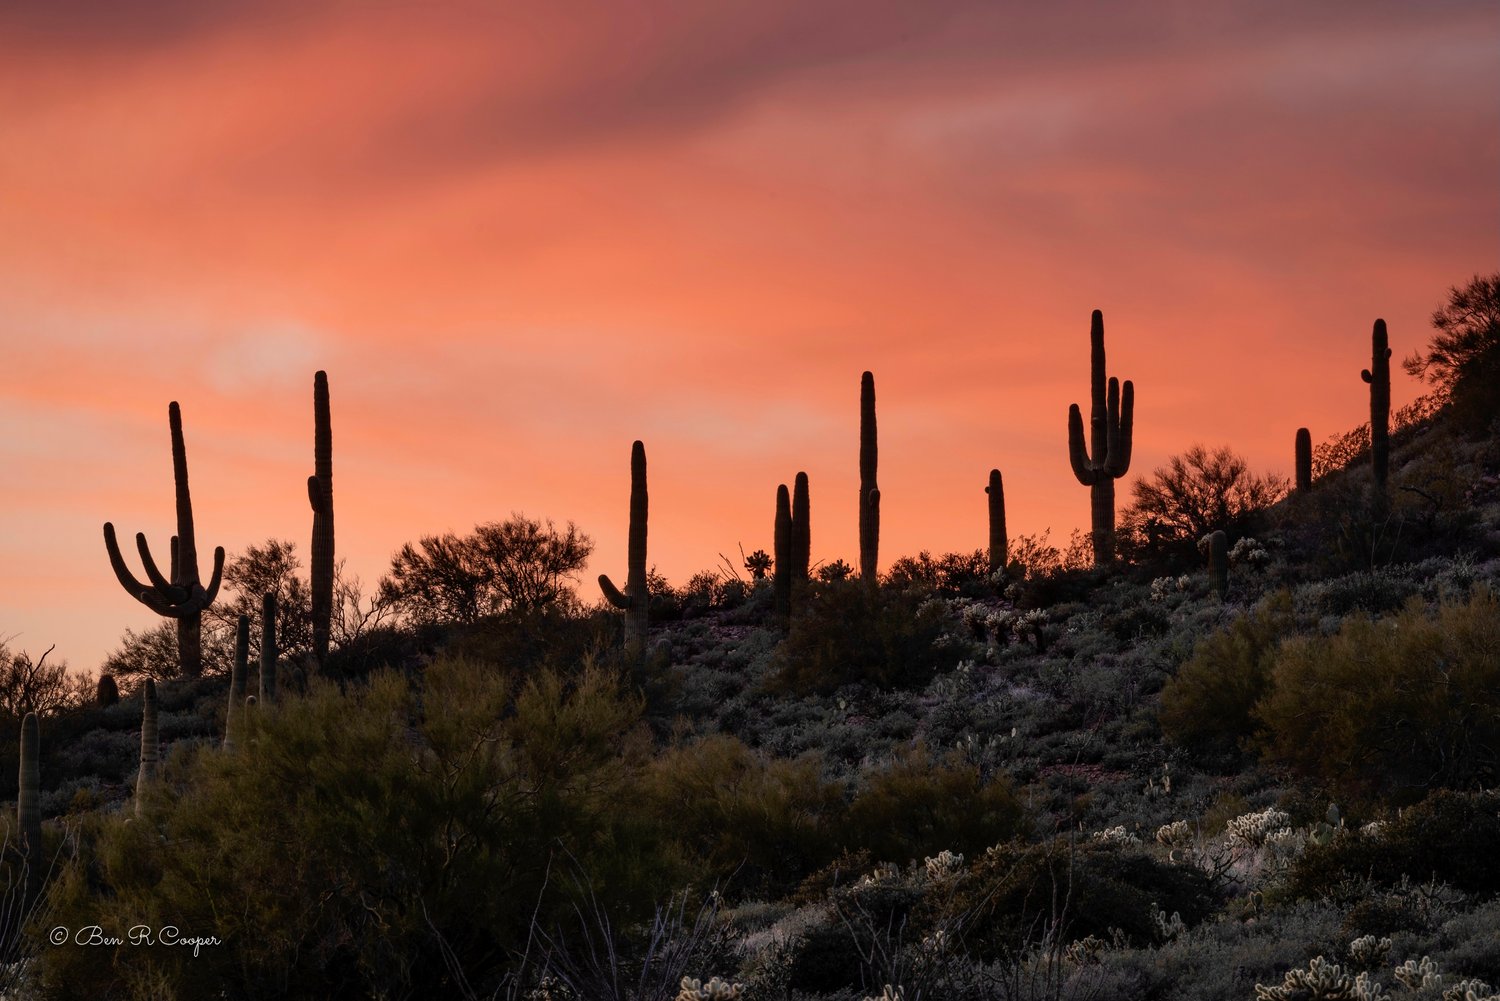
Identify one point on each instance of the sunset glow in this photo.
(520, 236)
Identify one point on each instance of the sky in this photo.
(519, 236)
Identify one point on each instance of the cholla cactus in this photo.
(1085, 951)
(1167, 927)
(885, 872)
(1161, 587)
(1321, 981)
(1416, 975)
(1471, 990)
(716, 989)
(1248, 552)
(1368, 952)
(943, 865)
(1177, 834)
(1116, 836)
(889, 993)
(1252, 829)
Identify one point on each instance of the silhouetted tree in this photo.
(34, 686)
(1196, 493)
(519, 565)
(1463, 357)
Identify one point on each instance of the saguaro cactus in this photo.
(785, 569)
(1378, 375)
(237, 676)
(634, 600)
(150, 747)
(181, 596)
(801, 531)
(998, 542)
(1304, 460)
(268, 649)
(1107, 457)
(29, 798)
(1216, 548)
(869, 490)
(320, 494)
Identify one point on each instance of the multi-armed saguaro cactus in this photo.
(782, 581)
(268, 649)
(320, 494)
(181, 596)
(1107, 455)
(145, 783)
(237, 676)
(998, 542)
(801, 531)
(1216, 548)
(29, 798)
(1378, 375)
(869, 490)
(634, 600)
(1304, 460)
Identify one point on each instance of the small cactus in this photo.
(869, 490)
(107, 691)
(1215, 546)
(268, 649)
(29, 797)
(181, 596)
(998, 542)
(320, 495)
(1105, 457)
(634, 600)
(150, 747)
(1304, 460)
(1378, 375)
(237, 676)
(758, 563)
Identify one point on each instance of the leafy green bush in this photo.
(1392, 706)
(1207, 706)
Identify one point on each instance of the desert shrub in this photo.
(1449, 836)
(1016, 894)
(765, 823)
(917, 805)
(951, 575)
(845, 632)
(1207, 705)
(1391, 706)
(414, 824)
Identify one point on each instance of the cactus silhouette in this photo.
(758, 563)
(1106, 456)
(29, 798)
(785, 569)
(801, 531)
(181, 596)
(1304, 460)
(320, 494)
(268, 650)
(107, 692)
(237, 677)
(1378, 375)
(998, 542)
(869, 490)
(634, 600)
(1217, 551)
(150, 747)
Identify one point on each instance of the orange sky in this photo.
(519, 236)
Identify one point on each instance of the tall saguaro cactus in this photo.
(1106, 456)
(869, 490)
(1378, 375)
(634, 600)
(1304, 460)
(145, 782)
(320, 494)
(998, 542)
(785, 569)
(1216, 548)
(801, 531)
(237, 678)
(181, 596)
(268, 649)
